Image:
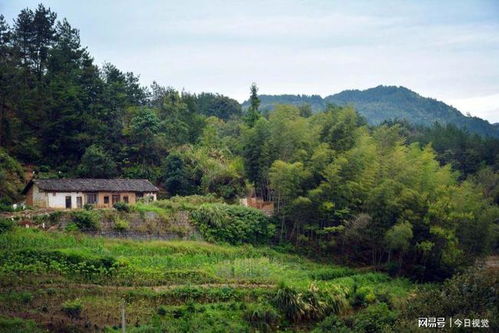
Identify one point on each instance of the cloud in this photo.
(481, 106)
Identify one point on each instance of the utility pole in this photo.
(123, 321)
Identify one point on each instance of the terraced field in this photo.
(73, 282)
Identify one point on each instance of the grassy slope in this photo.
(214, 280)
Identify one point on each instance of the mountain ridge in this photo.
(383, 103)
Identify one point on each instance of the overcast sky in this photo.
(447, 50)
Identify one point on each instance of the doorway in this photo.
(68, 202)
(79, 202)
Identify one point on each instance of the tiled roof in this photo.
(95, 185)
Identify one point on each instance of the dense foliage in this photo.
(11, 179)
(468, 153)
(473, 292)
(58, 110)
(233, 224)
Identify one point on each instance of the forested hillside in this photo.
(57, 106)
(389, 103)
(399, 202)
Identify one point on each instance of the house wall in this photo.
(36, 198)
(150, 194)
(58, 199)
(100, 198)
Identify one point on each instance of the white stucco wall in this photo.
(58, 199)
(151, 196)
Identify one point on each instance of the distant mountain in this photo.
(388, 103)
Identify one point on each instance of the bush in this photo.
(5, 206)
(312, 304)
(72, 227)
(262, 317)
(332, 324)
(122, 207)
(468, 295)
(375, 318)
(86, 220)
(233, 224)
(26, 297)
(88, 206)
(121, 224)
(6, 225)
(162, 310)
(72, 308)
(362, 296)
(18, 325)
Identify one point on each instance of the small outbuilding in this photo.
(75, 193)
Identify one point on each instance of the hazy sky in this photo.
(448, 50)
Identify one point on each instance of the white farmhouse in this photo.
(74, 193)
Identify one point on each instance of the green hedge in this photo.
(233, 224)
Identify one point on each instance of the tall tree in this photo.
(252, 114)
(44, 36)
(7, 74)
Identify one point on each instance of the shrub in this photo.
(471, 294)
(51, 291)
(162, 310)
(121, 224)
(72, 227)
(88, 206)
(72, 308)
(332, 324)
(122, 207)
(18, 325)
(362, 296)
(374, 318)
(5, 206)
(233, 224)
(6, 225)
(312, 304)
(86, 220)
(262, 317)
(26, 297)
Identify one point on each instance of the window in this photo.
(125, 198)
(53, 194)
(116, 198)
(91, 198)
(106, 199)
